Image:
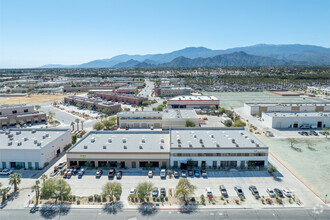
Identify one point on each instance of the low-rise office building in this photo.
(285, 120)
(258, 108)
(127, 90)
(11, 115)
(170, 118)
(131, 99)
(131, 149)
(86, 88)
(95, 104)
(170, 91)
(193, 101)
(31, 148)
(216, 147)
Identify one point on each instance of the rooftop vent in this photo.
(201, 140)
(212, 136)
(179, 141)
(10, 143)
(161, 147)
(47, 135)
(252, 141)
(104, 147)
(85, 147)
(26, 138)
(203, 145)
(179, 145)
(124, 140)
(10, 135)
(143, 140)
(34, 131)
(141, 147)
(109, 140)
(39, 144)
(242, 133)
(35, 141)
(162, 140)
(233, 140)
(195, 136)
(257, 145)
(93, 139)
(18, 132)
(237, 145)
(125, 147)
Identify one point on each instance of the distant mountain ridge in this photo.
(291, 53)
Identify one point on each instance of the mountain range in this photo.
(260, 54)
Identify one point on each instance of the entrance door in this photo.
(203, 164)
(319, 124)
(295, 125)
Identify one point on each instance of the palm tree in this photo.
(77, 121)
(142, 108)
(43, 178)
(101, 116)
(4, 192)
(72, 124)
(82, 124)
(36, 188)
(15, 179)
(37, 107)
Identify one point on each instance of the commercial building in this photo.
(127, 90)
(170, 118)
(11, 115)
(31, 148)
(120, 97)
(170, 91)
(86, 88)
(179, 147)
(95, 104)
(285, 120)
(190, 101)
(216, 147)
(131, 149)
(258, 108)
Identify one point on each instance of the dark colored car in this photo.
(278, 192)
(155, 192)
(111, 173)
(119, 174)
(253, 190)
(162, 192)
(223, 190)
(190, 173)
(99, 173)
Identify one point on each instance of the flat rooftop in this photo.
(27, 138)
(123, 142)
(14, 106)
(194, 98)
(179, 113)
(289, 104)
(216, 138)
(139, 114)
(297, 114)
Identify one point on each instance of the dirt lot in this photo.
(31, 99)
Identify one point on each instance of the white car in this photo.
(287, 193)
(270, 192)
(150, 174)
(132, 191)
(162, 173)
(6, 172)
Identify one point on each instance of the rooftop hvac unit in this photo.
(201, 140)
(212, 136)
(11, 138)
(161, 147)
(39, 144)
(85, 147)
(104, 147)
(179, 141)
(10, 143)
(252, 141)
(18, 132)
(143, 140)
(43, 136)
(195, 136)
(19, 143)
(34, 131)
(25, 139)
(140, 147)
(242, 133)
(124, 140)
(162, 140)
(93, 139)
(109, 140)
(35, 141)
(47, 135)
(203, 145)
(179, 145)
(233, 140)
(257, 145)
(237, 145)
(125, 147)
(218, 145)
(10, 135)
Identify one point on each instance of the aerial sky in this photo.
(38, 32)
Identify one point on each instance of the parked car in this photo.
(6, 172)
(119, 174)
(162, 173)
(111, 173)
(223, 190)
(270, 192)
(176, 174)
(65, 175)
(82, 170)
(204, 173)
(63, 171)
(74, 171)
(183, 173)
(305, 126)
(99, 173)
(253, 190)
(162, 192)
(278, 192)
(287, 193)
(80, 174)
(155, 192)
(190, 173)
(197, 173)
(239, 190)
(209, 193)
(69, 173)
(132, 191)
(150, 174)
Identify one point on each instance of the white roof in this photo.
(194, 98)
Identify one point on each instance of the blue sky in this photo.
(38, 32)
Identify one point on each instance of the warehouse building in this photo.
(258, 108)
(170, 91)
(131, 149)
(130, 99)
(195, 102)
(285, 120)
(216, 147)
(11, 115)
(170, 118)
(31, 148)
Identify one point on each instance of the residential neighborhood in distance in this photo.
(164, 110)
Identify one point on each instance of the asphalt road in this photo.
(54, 213)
